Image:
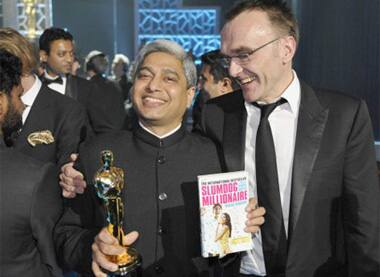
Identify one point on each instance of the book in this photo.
(223, 198)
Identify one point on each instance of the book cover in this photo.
(222, 201)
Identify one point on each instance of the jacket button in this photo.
(160, 230)
(161, 160)
(163, 196)
(159, 269)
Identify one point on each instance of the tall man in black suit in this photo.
(105, 110)
(120, 69)
(30, 202)
(311, 154)
(53, 125)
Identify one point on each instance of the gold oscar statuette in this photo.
(109, 182)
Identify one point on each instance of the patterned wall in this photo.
(161, 4)
(194, 28)
(177, 21)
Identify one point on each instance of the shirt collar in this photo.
(47, 76)
(163, 136)
(147, 136)
(29, 96)
(292, 94)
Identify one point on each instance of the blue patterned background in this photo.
(195, 29)
(180, 21)
(163, 4)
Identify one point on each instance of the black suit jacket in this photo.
(334, 225)
(105, 110)
(64, 117)
(30, 207)
(78, 88)
(105, 105)
(169, 227)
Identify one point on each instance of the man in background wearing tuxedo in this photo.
(105, 110)
(53, 125)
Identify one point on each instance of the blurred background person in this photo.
(214, 81)
(75, 66)
(96, 65)
(110, 102)
(120, 65)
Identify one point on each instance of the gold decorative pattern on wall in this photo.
(33, 16)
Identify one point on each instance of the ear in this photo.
(190, 95)
(226, 85)
(289, 49)
(3, 106)
(43, 56)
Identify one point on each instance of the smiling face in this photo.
(160, 94)
(60, 58)
(269, 70)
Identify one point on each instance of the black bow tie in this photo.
(57, 80)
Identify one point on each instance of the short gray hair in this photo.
(171, 48)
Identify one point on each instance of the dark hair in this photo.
(52, 34)
(10, 71)
(228, 222)
(218, 71)
(278, 12)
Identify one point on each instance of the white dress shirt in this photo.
(29, 96)
(283, 122)
(61, 88)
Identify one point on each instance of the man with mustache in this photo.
(310, 152)
(57, 122)
(30, 203)
(104, 104)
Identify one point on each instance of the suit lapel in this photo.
(38, 110)
(312, 119)
(234, 138)
(71, 87)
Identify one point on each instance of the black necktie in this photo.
(273, 230)
(57, 80)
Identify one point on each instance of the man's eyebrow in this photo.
(241, 49)
(146, 68)
(170, 71)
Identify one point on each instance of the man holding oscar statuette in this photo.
(160, 161)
